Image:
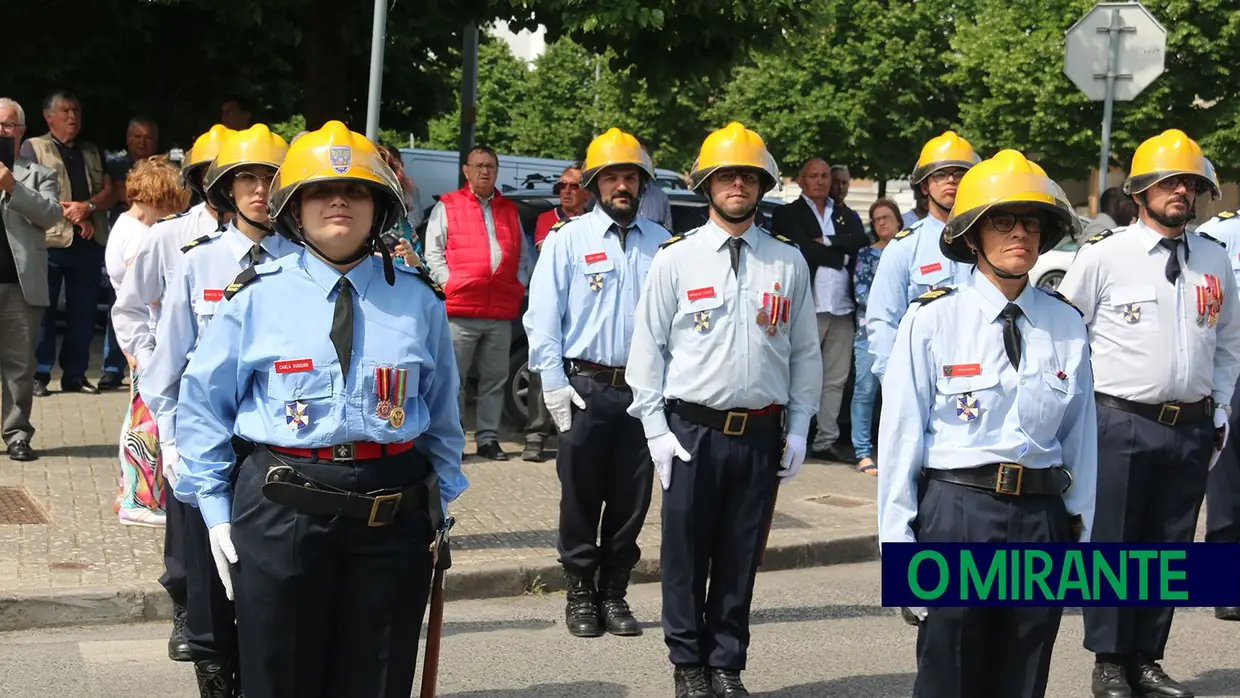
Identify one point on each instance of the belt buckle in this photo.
(377, 507)
(617, 378)
(729, 430)
(344, 452)
(1003, 480)
(1166, 408)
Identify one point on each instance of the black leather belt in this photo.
(1170, 414)
(1008, 478)
(607, 375)
(283, 484)
(730, 422)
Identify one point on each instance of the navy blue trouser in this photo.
(1223, 487)
(984, 652)
(78, 268)
(714, 519)
(1151, 481)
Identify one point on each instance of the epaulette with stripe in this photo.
(781, 238)
(173, 217)
(1213, 239)
(1098, 237)
(1056, 294)
(903, 234)
(247, 276)
(934, 294)
(425, 277)
(1227, 214)
(671, 241)
(194, 243)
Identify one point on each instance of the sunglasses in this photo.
(561, 186)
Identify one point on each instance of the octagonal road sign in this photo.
(1136, 57)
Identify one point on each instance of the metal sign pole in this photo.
(378, 36)
(1113, 31)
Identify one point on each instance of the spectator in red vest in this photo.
(572, 203)
(476, 250)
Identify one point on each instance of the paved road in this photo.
(817, 633)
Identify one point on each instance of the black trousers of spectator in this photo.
(1151, 481)
(538, 424)
(985, 652)
(714, 521)
(606, 478)
(79, 269)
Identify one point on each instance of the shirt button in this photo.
(1022, 381)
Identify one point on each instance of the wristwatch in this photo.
(92, 206)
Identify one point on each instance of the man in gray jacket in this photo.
(29, 205)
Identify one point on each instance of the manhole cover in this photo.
(16, 507)
(836, 500)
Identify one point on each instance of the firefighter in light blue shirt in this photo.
(338, 366)
(989, 430)
(913, 264)
(580, 320)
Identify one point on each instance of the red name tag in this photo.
(596, 257)
(213, 294)
(698, 294)
(294, 366)
(959, 370)
(931, 267)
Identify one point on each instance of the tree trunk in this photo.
(325, 42)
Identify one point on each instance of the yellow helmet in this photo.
(256, 145)
(941, 152)
(1007, 179)
(204, 150)
(615, 147)
(734, 146)
(1169, 154)
(334, 154)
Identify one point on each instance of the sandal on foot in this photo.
(870, 468)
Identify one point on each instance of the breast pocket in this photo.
(1135, 305)
(1058, 390)
(301, 400)
(204, 311)
(702, 314)
(598, 272)
(931, 272)
(966, 399)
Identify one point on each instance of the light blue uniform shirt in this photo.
(584, 293)
(696, 336)
(987, 411)
(1225, 228)
(911, 265)
(194, 292)
(234, 384)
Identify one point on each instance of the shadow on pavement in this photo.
(885, 685)
(1216, 682)
(486, 626)
(813, 613)
(594, 689)
(81, 450)
(501, 540)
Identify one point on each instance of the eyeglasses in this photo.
(882, 219)
(941, 176)
(1192, 183)
(1004, 222)
(10, 125)
(561, 186)
(482, 166)
(248, 181)
(729, 176)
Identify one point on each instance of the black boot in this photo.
(216, 678)
(613, 585)
(1110, 681)
(581, 611)
(727, 683)
(178, 646)
(692, 682)
(1148, 679)
(1227, 613)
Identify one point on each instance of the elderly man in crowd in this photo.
(29, 204)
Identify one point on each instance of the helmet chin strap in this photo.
(730, 218)
(1001, 273)
(367, 248)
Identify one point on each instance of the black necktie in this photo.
(734, 249)
(256, 254)
(342, 325)
(1173, 264)
(1011, 333)
(623, 233)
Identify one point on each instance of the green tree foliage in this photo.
(502, 85)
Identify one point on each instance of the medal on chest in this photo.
(297, 415)
(1132, 313)
(967, 407)
(701, 321)
(596, 282)
(391, 384)
(774, 311)
(1209, 301)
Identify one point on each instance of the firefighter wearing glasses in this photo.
(992, 439)
(236, 183)
(1160, 305)
(726, 372)
(333, 362)
(582, 297)
(913, 263)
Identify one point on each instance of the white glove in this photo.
(169, 458)
(559, 402)
(223, 551)
(1220, 422)
(664, 448)
(794, 456)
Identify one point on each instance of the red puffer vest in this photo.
(472, 290)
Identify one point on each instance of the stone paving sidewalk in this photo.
(84, 566)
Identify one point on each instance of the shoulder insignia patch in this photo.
(934, 294)
(195, 242)
(172, 217)
(246, 277)
(1227, 214)
(424, 276)
(1056, 294)
(783, 239)
(1099, 237)
(671, 241)
(903, 234)
(559, 224)
(1213, 239)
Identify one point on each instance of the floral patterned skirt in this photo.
(142, 492)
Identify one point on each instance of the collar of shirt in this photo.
(718, 237)
(608, 225)
(238, 244)
(1152, 237)
(327, 276)
(827, 212)
(487, 200)
(992, 301)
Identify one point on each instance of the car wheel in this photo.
(1050, 280)
(518, 390)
